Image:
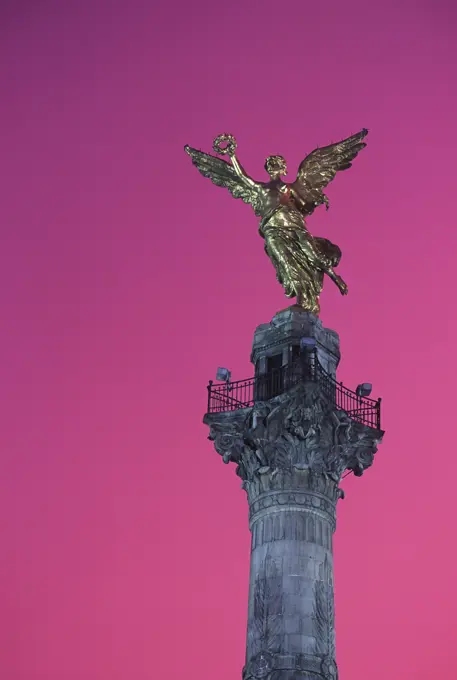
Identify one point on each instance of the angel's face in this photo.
(276, 166)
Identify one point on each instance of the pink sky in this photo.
(126, 279)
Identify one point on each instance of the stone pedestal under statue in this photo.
(292, 437)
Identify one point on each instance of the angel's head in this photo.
(276, 166)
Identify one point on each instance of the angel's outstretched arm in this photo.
(240, 171)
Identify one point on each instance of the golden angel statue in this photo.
(300, 259)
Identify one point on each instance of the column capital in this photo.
(297, 430)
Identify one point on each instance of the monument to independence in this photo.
(292, 430)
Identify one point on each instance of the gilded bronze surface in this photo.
(300, 259)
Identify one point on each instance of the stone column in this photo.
(291, 452)
(291, 606)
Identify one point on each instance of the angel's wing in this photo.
(223, 174)
(320, 167)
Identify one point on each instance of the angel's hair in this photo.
(274, 163)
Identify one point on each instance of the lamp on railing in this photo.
(307, 344)
(364, 389)
(223, 375)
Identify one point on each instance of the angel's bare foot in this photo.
(341, 285)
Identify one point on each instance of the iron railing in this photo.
(231, 396)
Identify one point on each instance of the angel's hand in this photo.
(228, 175)
(225, 144)
(326, 202)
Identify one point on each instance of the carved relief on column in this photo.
(324, 613)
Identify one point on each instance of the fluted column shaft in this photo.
(291, 610)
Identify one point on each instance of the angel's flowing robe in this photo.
(299, 258)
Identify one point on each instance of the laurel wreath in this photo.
(230, 144)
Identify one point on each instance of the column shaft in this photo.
(291, 602)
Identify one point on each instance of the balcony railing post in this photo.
(210, 384)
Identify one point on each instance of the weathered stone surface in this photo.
(290, 611)
(287, 328)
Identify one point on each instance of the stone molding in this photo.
(292, 523)
(304, 521)
(266, 665)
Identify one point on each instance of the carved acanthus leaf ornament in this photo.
(298, 429)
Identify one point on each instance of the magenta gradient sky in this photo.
(126, 279)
